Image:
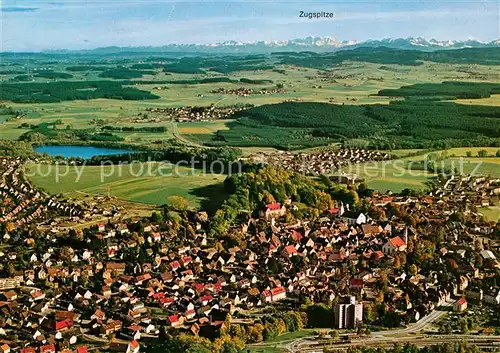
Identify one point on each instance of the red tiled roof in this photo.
(63, 324)
(166, 300)
(357, 282)
(273, 206)
(47, 348)
(28, 350)
(397, 242)
(206, 298)
(159, 295)
(461, 301)
(290, 250)
(81, 349)
(278, 290)
(296, 236)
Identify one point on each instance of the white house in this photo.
(351, 217)
(394, 245)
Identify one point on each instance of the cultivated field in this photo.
(131, 183)
(494, 100)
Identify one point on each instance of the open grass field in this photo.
(491, 213)
(493, 100)
(450, 153)
(389, 175)
(152, 184)
(202, 132)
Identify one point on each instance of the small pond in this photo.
(84, 152)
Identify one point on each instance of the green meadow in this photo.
(149, 183)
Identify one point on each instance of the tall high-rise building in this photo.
(348, 313)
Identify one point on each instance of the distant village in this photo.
(116, 284)
(245, 92)
(196, 113)
(318, 163)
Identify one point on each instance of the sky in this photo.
(36, 25)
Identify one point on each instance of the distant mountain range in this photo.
(316, 44)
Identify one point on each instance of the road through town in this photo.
(380, 337)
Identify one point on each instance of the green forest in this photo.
(54, 75)
(38, 92)
(444, 90)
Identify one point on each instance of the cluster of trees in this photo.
(270, 327)
(45, 132)
(83, 68)
(185, 66)
(104, 136)
(193, 81)
(175, 342)
(444, 90)
(54, 75)
(9, 111)
(230, 64)
(158, 129)
(22, 78)
(202, 157)
(12, 72)
(406, 124)
(233, 338)
(225, 64)
(482, 153)
(125, 73)
(145, 66)
(53, 92)
(251, 191)
(16, 149)
(254, 82)
(216, 80)
(200, 81)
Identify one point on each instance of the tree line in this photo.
(53, 92)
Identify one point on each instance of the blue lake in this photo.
(84, 152)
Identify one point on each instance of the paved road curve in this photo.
(378, 336)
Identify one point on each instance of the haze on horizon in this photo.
(36, 25)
